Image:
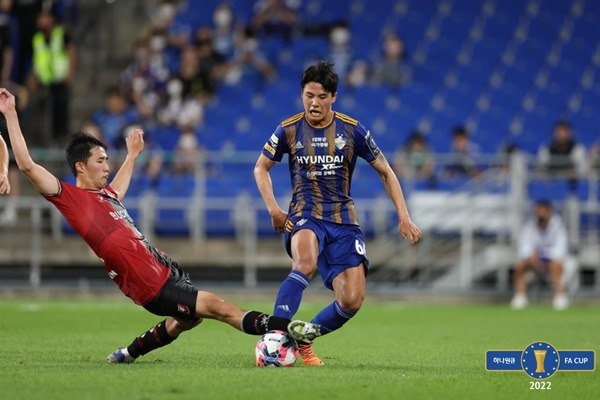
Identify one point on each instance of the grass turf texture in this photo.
(390, 350)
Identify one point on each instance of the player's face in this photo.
(95, 170)
(317, 104)
(543, 214)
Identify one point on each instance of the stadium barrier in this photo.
(470, 227)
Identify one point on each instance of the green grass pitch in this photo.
(56, 349)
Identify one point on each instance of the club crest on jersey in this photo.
(182, 308)
(340, 142)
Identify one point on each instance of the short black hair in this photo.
(460, 130)
(562, 123)
(543, 203)
(112, 91)
(321, 72)
(79, 149)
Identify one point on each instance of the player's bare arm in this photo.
(135, 145)
(407, 229)
(4, 183)
(265, 187)
(42, 179)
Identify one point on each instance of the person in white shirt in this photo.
(543, 246)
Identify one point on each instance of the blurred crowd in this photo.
(37, 64)
(177, 68)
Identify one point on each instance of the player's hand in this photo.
(278, 220)
(135, 142)
(7, 101)
(409, 231)
(4, 184)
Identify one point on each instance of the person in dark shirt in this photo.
(563, 157)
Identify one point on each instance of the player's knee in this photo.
(352, 301)
(308, 266)
(521, 266)
(555, 265)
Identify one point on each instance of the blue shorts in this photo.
(341, 246)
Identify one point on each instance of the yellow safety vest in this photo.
(50, 60)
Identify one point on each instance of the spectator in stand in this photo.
(26, 13)
(8, 29)
(185, 95)
(53, 71)
(275, 18)
(543, 247)
(224, 31)
(115, 116)
(248, 64)
(461, 161)
(358, 75)
(6, 50)
(415, 160)
(189, 73)
(211, 64)
(392, 69)
(340, 49)
(145, 79)
(178, 34)
(505, 156)
(563, 157)
(187, 152)
(9, 172)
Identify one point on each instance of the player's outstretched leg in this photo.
(121, 356)
(158, 336)
(211, 306)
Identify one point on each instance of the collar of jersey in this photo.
(324, 127)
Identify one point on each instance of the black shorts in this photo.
(177, 298)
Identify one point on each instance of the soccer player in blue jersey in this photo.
(321, 228)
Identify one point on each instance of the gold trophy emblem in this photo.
(540, 355)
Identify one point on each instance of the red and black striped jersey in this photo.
(139, 269)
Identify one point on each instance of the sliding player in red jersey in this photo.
(321, 227)
(145, 274)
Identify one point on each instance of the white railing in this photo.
(463, 212)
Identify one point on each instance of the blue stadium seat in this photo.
(169, 221)
(165, 137)
(548, 189)
(138, 186)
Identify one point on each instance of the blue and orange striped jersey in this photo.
(321, 163)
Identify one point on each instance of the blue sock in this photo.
(332, 317)
(290, 294)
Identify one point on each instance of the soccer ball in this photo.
(276, 349)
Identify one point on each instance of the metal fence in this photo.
(469, 229)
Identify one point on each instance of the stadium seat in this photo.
(174, 202)
(549, 189)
